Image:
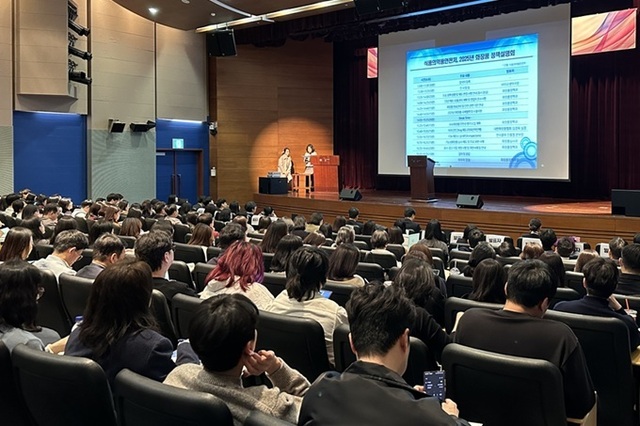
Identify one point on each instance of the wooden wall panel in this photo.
(265, 99)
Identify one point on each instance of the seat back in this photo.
(508, 260)
(436, 252)
(147, 223)
(141, 401)
(605, 343)
(340, 293)
(161, 312)
(63, 390)
(200, 273)
(266, 259)
(397, 249)
(458, 263)
(459, 285)
(342, 352)
(12, 407)
(365, 238)
(213, 252)
(189, 254)
(562, 294)
(43, 250)
(632, 301)
(179, 271)
(8, 220)
(300, 341)
(51, 311)
(513, 390)
(573, 280)
(129, 242)
(274, 282)
(361, 245)
(370, 271)
(459, 254)
(86, 259)
(180, 233)
(183, 308)
(386, 260)
(603, 249)
(74, 292)
(393, 272)
(453, 305)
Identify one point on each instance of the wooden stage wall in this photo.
(497, 217)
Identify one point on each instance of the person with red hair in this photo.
(239, 270)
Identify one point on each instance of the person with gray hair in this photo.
(67, 249)
(107, 250)
(345, 235)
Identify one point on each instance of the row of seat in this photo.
(50, 390)
(604, 341)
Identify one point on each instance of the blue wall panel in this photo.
(50, 153)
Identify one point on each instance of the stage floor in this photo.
(591, 220)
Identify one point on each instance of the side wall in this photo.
(266, 99)
(6, 103)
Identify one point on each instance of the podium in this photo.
(421, 168)
(325, 173)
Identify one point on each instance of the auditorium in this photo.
(272, 213)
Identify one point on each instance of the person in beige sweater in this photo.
(223, 335)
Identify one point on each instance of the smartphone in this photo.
(434, 384)
(326, 293)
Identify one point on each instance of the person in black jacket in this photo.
(380, 319)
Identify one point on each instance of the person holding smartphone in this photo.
(380, 319)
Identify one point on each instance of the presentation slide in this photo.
(482, 98)
(476, 104)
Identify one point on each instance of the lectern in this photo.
(325, 173)
(421, 168)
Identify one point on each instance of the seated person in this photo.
(476, 236)
(534, 228)
(489, 278)
(239, 270)
(480, 252)
(616, 244)
(343, 263)
(354, 215)
(379, 242)
(435, 238)
(107, 250)
(583, 258)
(371, 391)
(231, 233)
(306, 274)
(67, 249)
(548, 239)
(565, 247)
(409, 223)
(286, 246)
(419, 283)
(223, 335)
(345, 235)
(629, 280)
(600, 280)
(118, 329)
(519, 330)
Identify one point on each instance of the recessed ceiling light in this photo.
(153, 10)
(186, 1)
(213, 14)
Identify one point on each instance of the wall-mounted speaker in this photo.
(469, 201)
(221, 43)
(116, 126)
(350, 194)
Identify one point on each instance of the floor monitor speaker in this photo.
(350, 194)
(469, 201)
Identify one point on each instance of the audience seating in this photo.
(266, 259)
(398, 250)
(605, 343)
(180, 232)
(436, 252)
(43, 250)
(520, 239)
(179, 271)
(63, 390)
(340, 293)
(74, 292)
(144, 402)
(365, 238)
(213, 252)
(147, 223)
(218, 225)
(160, 309)
(393, 272)
(569, 265)
(83, 226)
(370, 271)
(255, 241)
(460, 264)
(274, 282)
(86, 259)
(496, 389)
(562, 294)
(189, 254)
(361, 245)
(12, 407)
(183, 308)
(420, 357)
(602, 249)
(299, 341)
(508, 260)
(8, 220)
(453, 305)
(459, 285)
(129, 242)
(258, 418)
(438, 264)
(459, 254)
(255, 235)
(51, 311)
(200, 273)
(386, 260)
(327, 250)
(573, 280)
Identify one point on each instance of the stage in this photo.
(588, 219)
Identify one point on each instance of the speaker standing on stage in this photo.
(308, 167)
(285, 164)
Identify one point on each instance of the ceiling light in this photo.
(186, 1)
(213, 14)
(153, 10)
